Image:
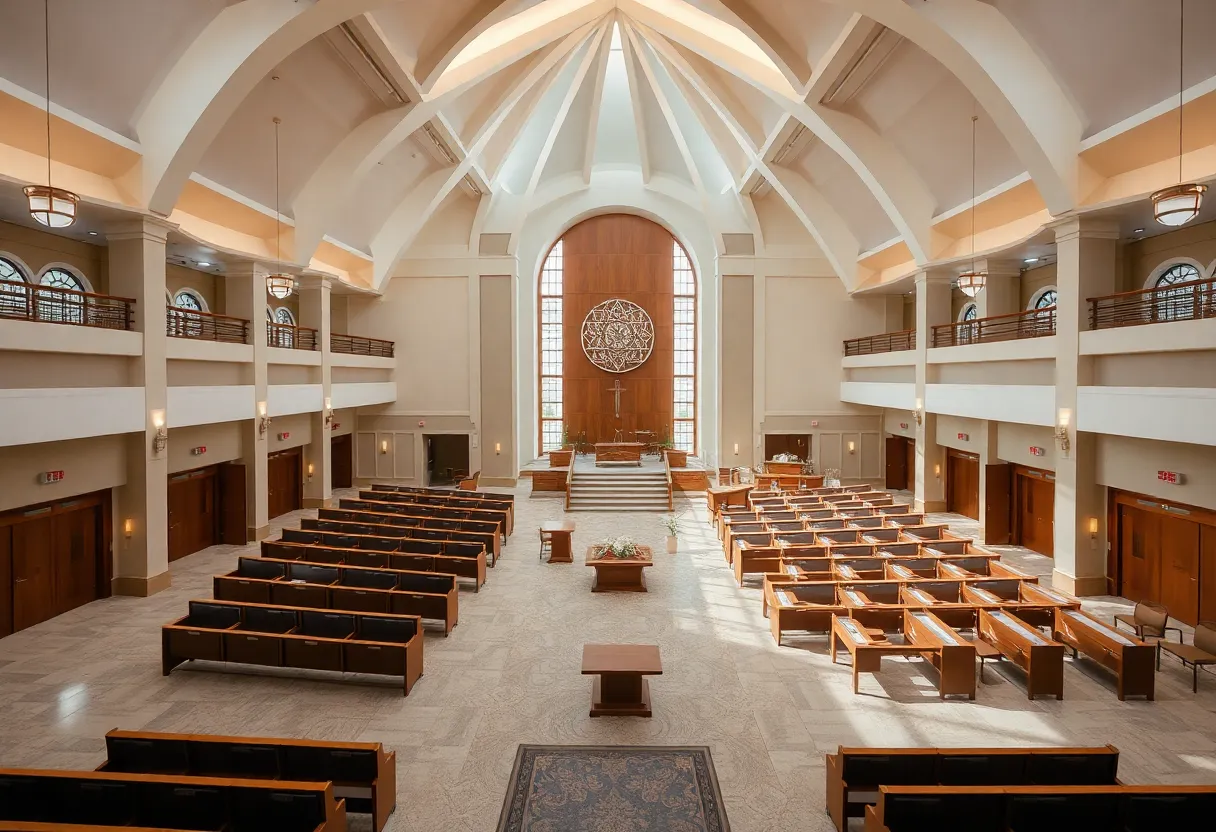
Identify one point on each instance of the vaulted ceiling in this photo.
(839, 129)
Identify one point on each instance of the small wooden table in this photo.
(560, 532)
(619, 574)
(619, 452)
(619, 689)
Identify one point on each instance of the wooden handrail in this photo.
(205, 326)
(1033, 323)
(1193, 300)
(290, 337)
(570, 477)
(887, 342)
(667, 467)
(51, 304)
(360, 345)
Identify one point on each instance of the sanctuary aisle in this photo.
(509, 674)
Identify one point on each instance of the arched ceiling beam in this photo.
(593, 125)
(988, 54)
(747, 19)
(401, 227)
(892, 180)
(635, 99)
(437, 56)
(821, 220)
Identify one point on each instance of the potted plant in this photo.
(672, 524)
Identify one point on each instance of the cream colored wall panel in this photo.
(364, 393)
(960, 433)
(369, 362)
(497, 423)
(1177, 336)
(282, 355)
(292, 374)
(52, 414)
(209, 405)
(871, 456)
(901, 358)
(1028, 349)
(877, 394)
(738, 370)
(32, 370)
(1132, 464)
(404, 447)
(31, 336)
(1185, 369)
(223, 442)
(356, 375)
(1025, 404)
(1171, 414)
(287, 432)
(88, 465)
(899, 423)
(286, 399)
(898, 375)
(830, 453)
(190, 349)
(1009, 373)
(367, 452)
(850, 461)
(1013, 444)
(183, 373)
(343, 422)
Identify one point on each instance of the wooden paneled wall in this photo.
(628, 257)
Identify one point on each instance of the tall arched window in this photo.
(551, 438)
(1045, 299)
(13, 296)
(684, 406)
(188, 300)
(62, 279)
(1177, 304)
(970, 312)
(55, 306)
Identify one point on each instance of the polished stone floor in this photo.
(509, 674)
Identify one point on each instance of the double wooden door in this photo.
(341, 461)
(285, 478)
(963, 484)
(53, 558)
(1034, 498)
(1167, 554)
(901, 463)
(193, 512)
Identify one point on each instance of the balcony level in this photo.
(35, 318)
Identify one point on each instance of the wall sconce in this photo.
(310, 470)
(937, 470)
(263, 420)
(329, 411)
(1093, 528)
(128, 528)
(736, 449)
(852, 447)
(1062, 431)
(918, 413)
(383, 446)
(161, 440)
(498, 447)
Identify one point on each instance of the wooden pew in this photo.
(294, 583)
(954, 613)
(998, 808)
(800, 606)
(276, 636)
(755, 560)
(946, 650)
(751, 538)
(854, 775)
(1040, 657)
(420, 527)
(118, 799)
(1130, 658)
(456, 497)
(866, 647)
(407, 501)
(415, 556)
(363, 773)
(488, 542)
(875, 605)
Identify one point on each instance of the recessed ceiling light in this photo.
(203, 264)
(1031, 260)
(1137, 230)
(92, 233)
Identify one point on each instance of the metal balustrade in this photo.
(359, 345)
(1034, 323)
(49, 304)
(205, 326)
(1164, 304)
(888, 342)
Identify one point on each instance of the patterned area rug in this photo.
(613, 788)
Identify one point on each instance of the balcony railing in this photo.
(290, 337)
(48, 304)
(358, 345)
(205, 326)
(1036, 323)
(889, 342)
(1179, 302)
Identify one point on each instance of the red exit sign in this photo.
(966, 437)
(903, 425)
(1035, 450)
(48, 477)
(199, 451)
(1172, 477)
(284, 436)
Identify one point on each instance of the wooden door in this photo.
(6, 580)
(1034, 510)
(798, 444)
(1178, 564)
(911, 451)
(1138, 537)
(193, 516)
(285, 481)
(33, 572)
(341, 461)
(1207, 573)
(963, 484)
(232, 503)
(897, 463)
(74, 544)
(998, 502)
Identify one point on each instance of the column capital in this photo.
(147, 227)
(937, 274)
(1084, 227)
(1001, 268)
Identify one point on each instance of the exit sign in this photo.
(1172, 477)
(966, 437)
(199, 451)
(1035, 450)
(284, 436)
(903, 425)
(48, 477)
(335, 425)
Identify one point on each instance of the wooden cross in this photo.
(617, 390)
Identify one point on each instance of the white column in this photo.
(315, 313)
(1086, 267)
(932, 309)
(137, 270)
(1002, 293)
(245, 297)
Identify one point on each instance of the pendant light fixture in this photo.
(279, 284)
(50, 206)
(973, 281)
(1179, 204)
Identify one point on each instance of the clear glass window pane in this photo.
(683, 436)
(551, 274)
(185, 300)
(551, 436)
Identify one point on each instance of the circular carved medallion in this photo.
(618, 336)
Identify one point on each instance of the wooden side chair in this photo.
(1148, 620)
(1199, 654)
(470, 483)
(546, 543)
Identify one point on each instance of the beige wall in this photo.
(428, 318)
(207, 373)
(37, 249)
(738, 325)
(1035, 279)
(344, 421)
(1013, 444)
(1197, 242)
(338, 305)
(897, 375)
(1004, 372)
(893, 420)
(1132, 465)
(206, 284)
(88, 465)
(222, 441)
(40, 369)
(299, 425)
(352, 375)
(497, 377)
(1190, 369)
(292, 374)
(949, 429)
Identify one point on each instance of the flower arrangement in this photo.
(671, 524)
(787, 457)
(831, 477)
(618, 547)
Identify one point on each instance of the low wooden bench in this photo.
(1029, 649)
(277, 636)
(293, 583)
(418, 558)
(1131, 659)
(854, 775)
(1046, 808)
(118, 799)
(363, 773)
(800, 606)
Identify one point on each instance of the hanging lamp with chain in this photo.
(1179, 204)
(48, 205)
(972, 282)
(279, 284)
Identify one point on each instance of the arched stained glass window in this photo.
(61, 279)
(187, 300)
(283, 315)
(13, 298)
(1181, 273)
(56, 306)
(1045, 299)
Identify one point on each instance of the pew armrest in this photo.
(873, 821)
(835, 791)
(384, 792)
